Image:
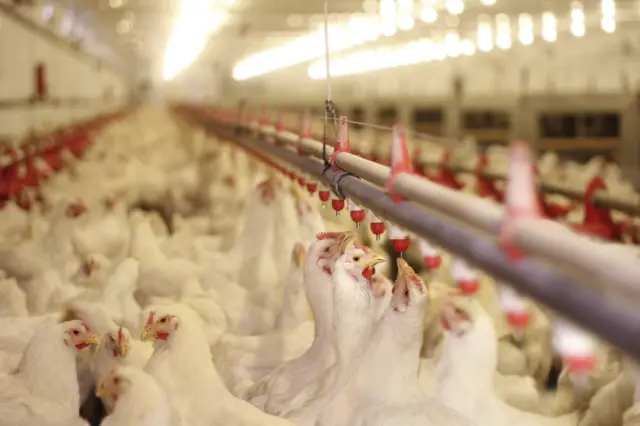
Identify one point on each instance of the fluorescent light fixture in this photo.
(357, 31)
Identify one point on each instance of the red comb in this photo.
(120, 336)
(362, 247)
(86, 326)
(150, 318)
(327, 235)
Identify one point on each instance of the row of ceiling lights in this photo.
(426, 50)
(397, 15)
(393, 15)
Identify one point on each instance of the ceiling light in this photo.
(488, 2)
(467, 47)
(67, 24)
(578, 29)
(405, 22)
(455, 7)
(452, 45)
(428, 15)
(549, 27)
(343, 36)
(116, 3)
(417, 51)
(608, 7)
(484, 34)
(608, 25)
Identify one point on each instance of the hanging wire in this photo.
(329, 106)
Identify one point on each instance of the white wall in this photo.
(69, 75)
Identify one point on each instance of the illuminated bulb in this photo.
(452, 45)
(484, 38)
(608, 25)
(608, 8)
(549, 27)
(428, 15)
(455, 7)
(405, 22)
(389, 29)
(525, 37)
(488, 2)
(467, 47)
(577, 29)
(577, 11)
(116, 3)
(503, 31)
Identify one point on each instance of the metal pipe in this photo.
(611, 319)
(600, 198)
(542, 238)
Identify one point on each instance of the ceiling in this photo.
(138, 30)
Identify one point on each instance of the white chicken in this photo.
(36, 393)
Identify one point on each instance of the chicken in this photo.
(466, 369)
(392, 395)
(359, 301)
(35, 393)
(118, 349)
(140, 400)
(294, 305)
(182, 366)
(274, 391)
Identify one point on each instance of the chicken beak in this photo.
(102, 391)
(375, 260)
(300, 259)
(123, 348)
(404, 269)
(149, 333)
(93, 339)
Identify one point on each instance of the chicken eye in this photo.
(163, 320)
(355, 258)
(116, 380)
(76, 332)
(327, 250)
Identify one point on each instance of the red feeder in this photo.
(430, 255)
(324, 197)
(399, 240)
(312, 187)
(301, 181)
(376, 225)
(338, 205)
(357, 214)
(518, 319)
(465, 277)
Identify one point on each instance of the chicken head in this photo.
(115, 384)
(75, 210)
(160, 328)
(78, 334)
(117, 342)
(360, 263)
(328, 247)
(460, 314)
(409, 289)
